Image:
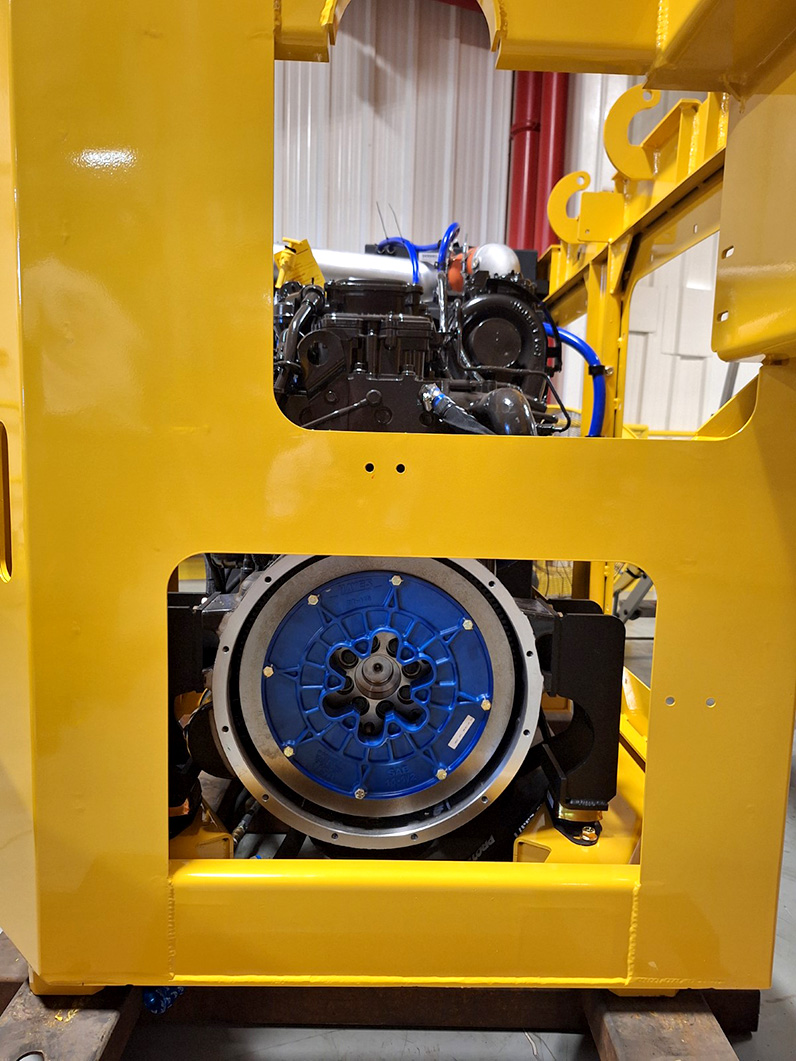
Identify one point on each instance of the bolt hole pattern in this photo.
(370, 467)
(225, 729)
(711, 701)
(669, 701)
(226, 648)
(400, 468)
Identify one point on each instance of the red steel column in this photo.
(524, 164)
(552, 146)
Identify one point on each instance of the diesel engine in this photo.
(371, 354)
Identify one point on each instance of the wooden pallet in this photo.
(689, 1027)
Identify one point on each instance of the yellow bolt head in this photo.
(468, 624)
(312, 599)
(486, 704)
(360, 793)
(268, 671)
(396, 580)
(441, 774)
(289, 752)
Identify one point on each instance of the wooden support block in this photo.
(655, 1029)
(13, 971)
(82, 1028)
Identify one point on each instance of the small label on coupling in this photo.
(458, 736)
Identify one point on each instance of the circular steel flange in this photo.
(279, 720)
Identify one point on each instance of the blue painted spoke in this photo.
(448, 635)
(328, 617)
(285, 672)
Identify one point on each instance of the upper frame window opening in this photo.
(674, 381)
(398, 306)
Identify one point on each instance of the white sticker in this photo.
(458, 736)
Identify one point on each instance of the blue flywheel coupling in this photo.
(377, 685)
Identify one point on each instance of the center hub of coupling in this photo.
(377, 677)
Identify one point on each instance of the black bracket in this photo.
(581, 652)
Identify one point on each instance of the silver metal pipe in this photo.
(343, 265)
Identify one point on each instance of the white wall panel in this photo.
(409, 113)
(674, 380)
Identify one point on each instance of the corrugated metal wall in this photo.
(409, 113)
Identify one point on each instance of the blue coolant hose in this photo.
(414, 250)
(411, 250)
(450, 234)
(597, 377)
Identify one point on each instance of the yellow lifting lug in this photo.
(564, 226)
(601, 214)
(633, 161)
(297, 262)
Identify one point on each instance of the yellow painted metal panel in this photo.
(379, 922)
(142, 139)
(720, 45)
(145, 255)
(714, 45)
(612, 37)
(635, 712)
(17, 851)
(732, 416)
(756, 283)
(304, 29)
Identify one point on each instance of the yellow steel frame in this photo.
(135, 279)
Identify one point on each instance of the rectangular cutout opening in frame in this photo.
(423, 708)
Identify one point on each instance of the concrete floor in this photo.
(775, 1041)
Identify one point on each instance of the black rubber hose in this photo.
(446, 410)
(312, 298)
